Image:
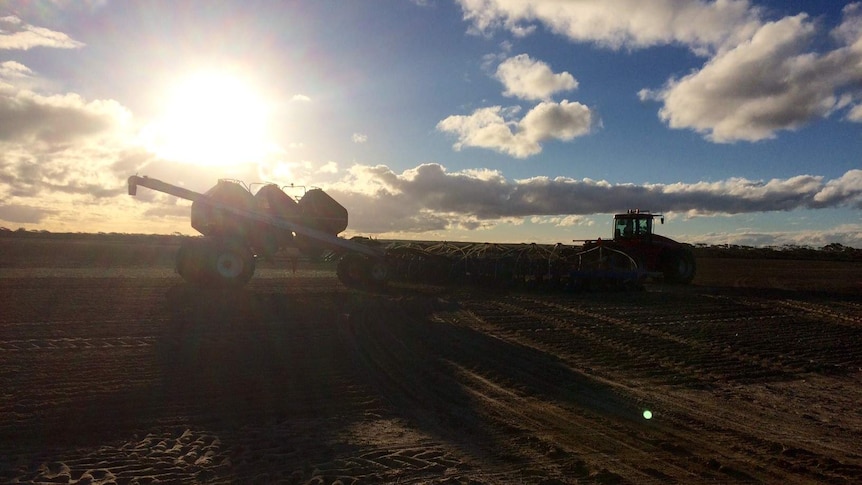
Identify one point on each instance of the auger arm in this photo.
(165, 187)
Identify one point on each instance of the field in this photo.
(112, 370)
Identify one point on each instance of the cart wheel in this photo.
(351, 270)
(378, 273)
(231, 265)
(192, 261)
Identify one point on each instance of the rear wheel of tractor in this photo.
(679, 267)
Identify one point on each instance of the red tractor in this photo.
(653, 253)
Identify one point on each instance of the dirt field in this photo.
(113, 370)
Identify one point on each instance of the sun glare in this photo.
(210, 119)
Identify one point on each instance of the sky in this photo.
(457, 120)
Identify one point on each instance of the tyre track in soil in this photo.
(615, 338)
(56, 350)
(140, 379)
(180, 385)
(511, 405)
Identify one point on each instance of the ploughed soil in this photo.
(112, 370)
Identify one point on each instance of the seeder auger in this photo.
(237, 226)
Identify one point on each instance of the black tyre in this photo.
(208, 263)
(192, 261)
(357, 271)
(352, 270)
(679, 267)
(232, 265)
(377, 273)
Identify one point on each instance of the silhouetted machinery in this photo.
(634, 235)
(238, 225)
(632, 256)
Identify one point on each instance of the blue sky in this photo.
(481, 120)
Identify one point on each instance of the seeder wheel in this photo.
(357, 271)
(209, 263)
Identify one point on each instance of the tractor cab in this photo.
(634, 224)
(633, 234)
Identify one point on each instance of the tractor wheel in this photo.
(679, 267)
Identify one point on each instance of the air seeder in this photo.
(238, 226)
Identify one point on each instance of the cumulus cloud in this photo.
(27, 117)
(359, 138)
(848, 187)
(496, 128)
(23, 214)
(429, 197)
(60, 150)
(328, 167)
(761, 86)
(563, 221)
(760, 77)
(705, 26)
(15, 34)
(14, 70)
(526, 78)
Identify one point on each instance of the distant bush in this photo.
(829, 252)
(115, 237)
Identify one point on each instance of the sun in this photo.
(210, 118)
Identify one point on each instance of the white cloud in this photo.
(14, 70)
(495, 128)
(761, 77)
(855, 113)
(762, 86)
(563, 221)
(59, 153)
(301, 172)
(429, 198)
(704, 26)
(300, 98)
(526, 78)
(846, 189)
(27, 117)
(15, 34)
(328, 167)
(359, 138)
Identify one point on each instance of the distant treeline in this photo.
(175, 238)
(829, 252)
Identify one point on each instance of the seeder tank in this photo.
(238, 226)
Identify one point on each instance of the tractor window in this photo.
(624, 228)
(644, 226)
(630, 228)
